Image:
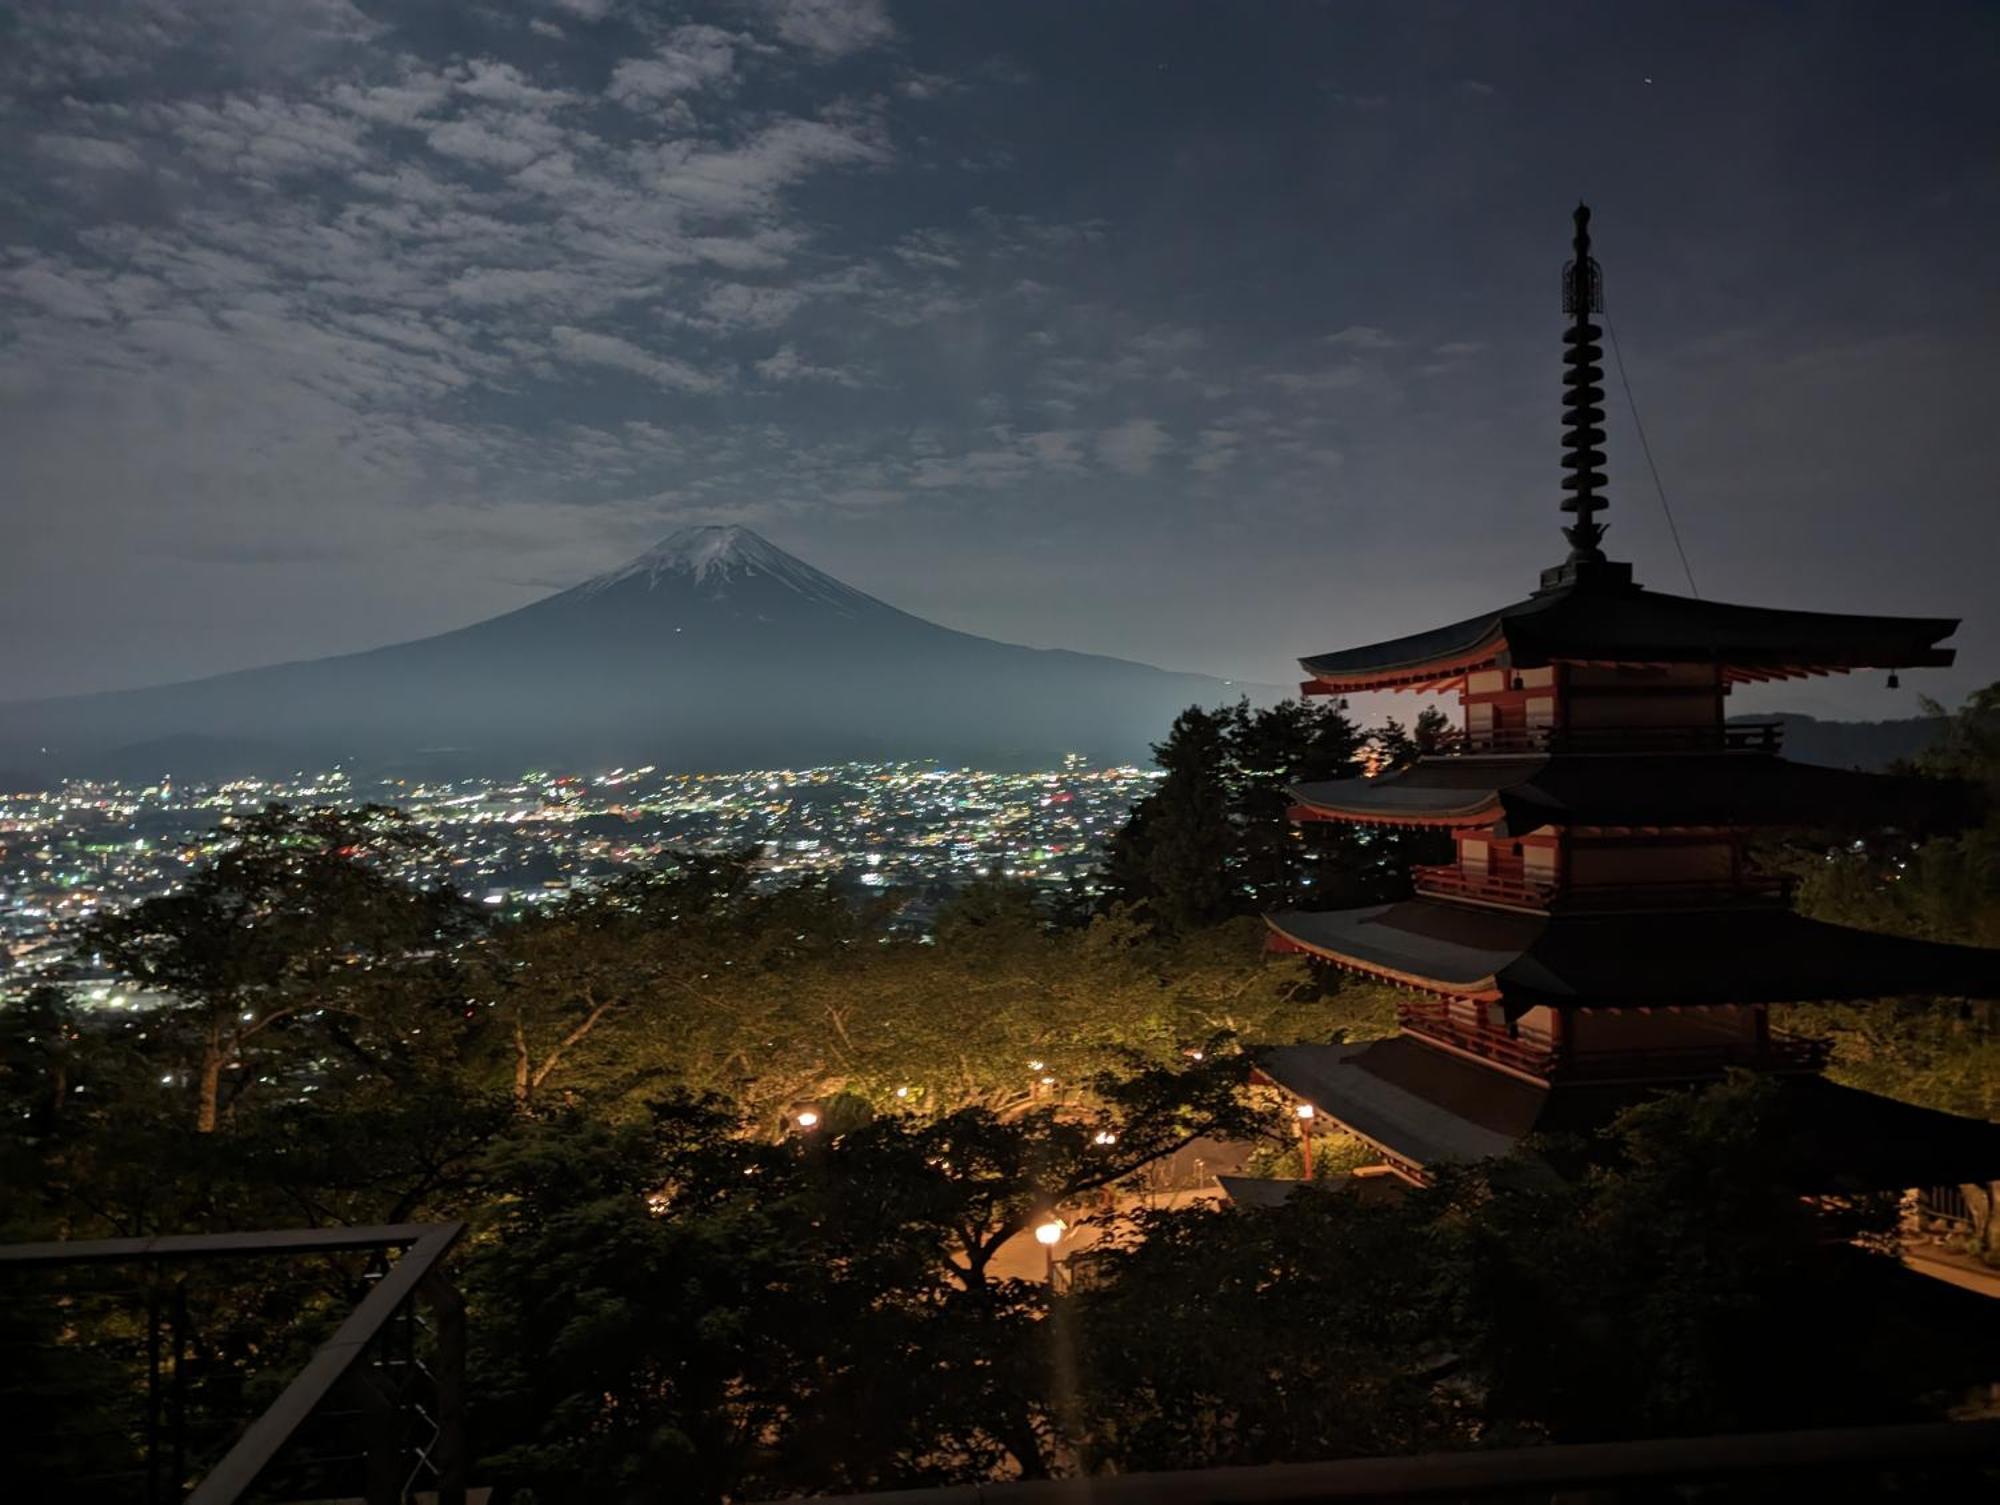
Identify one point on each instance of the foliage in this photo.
(1939, 1053)
(1213, 840)
(671, 1298)
(1671, 1284)
(668, 1284)
(296, 943)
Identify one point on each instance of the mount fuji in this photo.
(714, 650)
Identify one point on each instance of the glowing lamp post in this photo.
(1305, 1113)
(1048, 1234)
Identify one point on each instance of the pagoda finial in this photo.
(1583, 397)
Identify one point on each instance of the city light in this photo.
(517, 845)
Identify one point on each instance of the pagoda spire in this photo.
(1583, 398)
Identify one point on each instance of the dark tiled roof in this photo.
(1633, 625)
(1668, 789)
(1458, 947)
(1693, 956)
(1433, 789)
(1429, 1107)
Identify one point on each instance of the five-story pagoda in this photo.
(1600, 931)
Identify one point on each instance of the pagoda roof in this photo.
(1600, 620)
(1426, 1107)
(1643, 790)
(1645, 959)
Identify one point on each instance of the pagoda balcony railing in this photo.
(1614, 896)
(1450, 881)
(1515, 890)
(1783, 1053)
(1538, 1056)
(1535, 1056)
(1731, 736)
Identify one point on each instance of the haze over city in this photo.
(1124, 328)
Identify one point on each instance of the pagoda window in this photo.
(1474, 854)
(1541, 712)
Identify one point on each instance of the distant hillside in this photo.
(1871, 745)
(714, 650)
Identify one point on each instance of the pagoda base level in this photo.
(1423, 1106)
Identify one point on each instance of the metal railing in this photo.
(1726, 736)
(1936, 1460)
(378, 1404)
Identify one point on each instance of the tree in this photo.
(1939, 1053)
(298, 938)
(1664, 1278)
(1173, 854)
(670, 1296)
(1215, 839)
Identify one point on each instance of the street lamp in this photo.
(1047, 1234)
(1305, 1113)
(808, 1119)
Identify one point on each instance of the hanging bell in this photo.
(1895, 680)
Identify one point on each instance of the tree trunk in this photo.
(211, 1085)
(522, 1085)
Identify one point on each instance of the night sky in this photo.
(1208, 335)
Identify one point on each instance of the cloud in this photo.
(1362, 337)
(831, 28)
(691, 58)
(502, 142)
(89, 152)
(786, 365)
(585, 348)
(737, 305)
(1133, 446)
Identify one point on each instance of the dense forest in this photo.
(674, 1282)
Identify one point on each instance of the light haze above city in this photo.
(1191, 335)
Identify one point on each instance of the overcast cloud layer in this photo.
(1208, 335)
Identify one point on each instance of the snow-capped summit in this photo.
(715, 649)
(721, 561)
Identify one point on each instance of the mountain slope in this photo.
(715, 649)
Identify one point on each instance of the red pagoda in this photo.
(1600, 931)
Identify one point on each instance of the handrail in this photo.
(217, 1245)
(1509, 1473)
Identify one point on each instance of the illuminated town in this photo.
(911, 829)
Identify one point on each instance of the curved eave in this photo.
(1286, 936)
(1634, 627)
(1484, 813)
